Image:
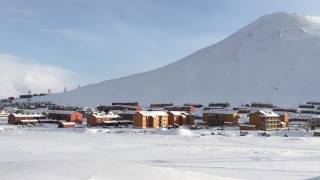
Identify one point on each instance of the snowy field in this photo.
(91, 154)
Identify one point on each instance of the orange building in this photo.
(95, 119)
(265, 120)
(284, 119)
(180, 118)
(150, 119)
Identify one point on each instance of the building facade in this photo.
(265, 120)
(220, 117)
(180, 118)
(23, 118)
(69, 116)
(150, 119)
(96, 119)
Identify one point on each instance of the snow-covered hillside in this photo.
(275, 58)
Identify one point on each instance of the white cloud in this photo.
(18, 76)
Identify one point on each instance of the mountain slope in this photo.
(275, 58)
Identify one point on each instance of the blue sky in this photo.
(95, 40)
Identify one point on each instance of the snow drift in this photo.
(275, 59)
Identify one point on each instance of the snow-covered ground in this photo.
(154, 154)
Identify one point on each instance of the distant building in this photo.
(150, 119)
(24, 118)
(120, 106)
(220, 117)
(316, 103)
(180, 118)
(219, 105)
(261, 105)
(265, 120)
(189, 109)
(194, 105)
(125, 104)
(69, 116)
(25, 96)
(161, 105)
(307, 106)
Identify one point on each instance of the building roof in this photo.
(27, 115)
(267, 113)
(153, 113)
(61, 112)
(104, 115)
(67, 123)
(29, 121)
(219, 111)
(179, 113)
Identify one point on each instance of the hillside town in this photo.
(257, 116)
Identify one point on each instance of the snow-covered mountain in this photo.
(276, 59)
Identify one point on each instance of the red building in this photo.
(24, 118)
(69, 116)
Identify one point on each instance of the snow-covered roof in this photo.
(104, 115)
(267, 113)
(153, 113)
(29, 121)
(27, 115)
(67, 123)
(179, 113)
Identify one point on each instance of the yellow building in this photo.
(150, 119)
(220, 117)
(265, 120)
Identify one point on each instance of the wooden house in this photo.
(150, 119)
